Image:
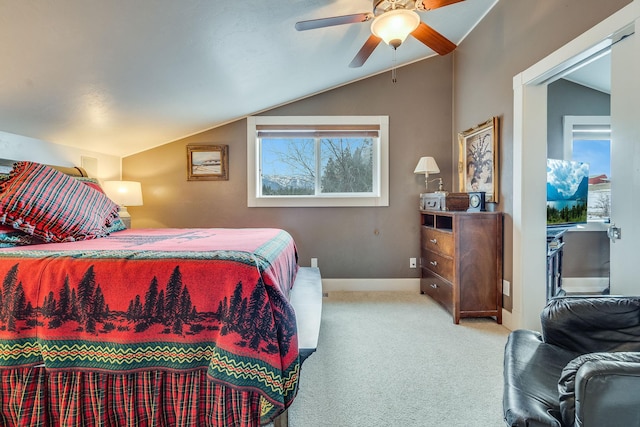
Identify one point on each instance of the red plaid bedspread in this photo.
(174, 301)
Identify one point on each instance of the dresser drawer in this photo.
(441, 265)
(437, 288)
(461, 262)
(437, 241)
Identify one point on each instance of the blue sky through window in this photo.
(595, 152)
(273, 149)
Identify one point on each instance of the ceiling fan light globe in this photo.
(394, 26)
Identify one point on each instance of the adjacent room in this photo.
(320, 213)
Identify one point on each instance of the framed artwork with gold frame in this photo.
(207, 163)
(478, 159)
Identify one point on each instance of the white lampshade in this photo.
(124, 193)
(394, 26)
(427, 165)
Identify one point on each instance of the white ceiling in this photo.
(595, 75)
(122, 76)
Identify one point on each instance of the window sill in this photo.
(592, 226)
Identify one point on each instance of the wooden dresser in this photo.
(461, 262)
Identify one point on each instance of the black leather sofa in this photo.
(582, 370)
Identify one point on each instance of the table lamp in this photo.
(124, 193)
(427, 165)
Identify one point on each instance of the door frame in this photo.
(529, 161)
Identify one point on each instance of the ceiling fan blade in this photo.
(335, 20)
(433, 39)
(435, 4)
(365, 51)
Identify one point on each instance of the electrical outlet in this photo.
(314, 262)
(506, 288)
(412, 263)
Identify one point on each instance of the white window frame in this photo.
(568, 124)
(380, 195)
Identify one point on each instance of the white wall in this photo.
(16, 147)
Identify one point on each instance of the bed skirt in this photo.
(33, 396)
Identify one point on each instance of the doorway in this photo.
(579, 130)
(530, 131)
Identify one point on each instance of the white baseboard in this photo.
(508, 320)
(367, 285)
(585, 284)
(393, 285)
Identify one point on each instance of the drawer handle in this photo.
(434, 286)
(434, 263)
(434, 241)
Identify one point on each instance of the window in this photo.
(588, 139)
(318, 161)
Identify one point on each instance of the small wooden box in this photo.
(456, 202)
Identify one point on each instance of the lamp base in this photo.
(125, 216)
(440, 190)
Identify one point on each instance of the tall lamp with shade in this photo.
(426, 166)
(124, 193)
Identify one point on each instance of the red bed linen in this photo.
(36, 397)
(175, 301)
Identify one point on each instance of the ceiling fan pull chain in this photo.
(393, 68)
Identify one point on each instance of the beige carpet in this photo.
(396, 359)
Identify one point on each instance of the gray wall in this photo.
(513, 36)
(565, 98)
(371, 242)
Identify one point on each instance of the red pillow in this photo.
(116, 225)
(48, 204)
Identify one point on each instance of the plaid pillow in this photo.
(53, 206)
(11, 237)
(117, 224)
(91, 182)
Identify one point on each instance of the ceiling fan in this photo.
(393, 21)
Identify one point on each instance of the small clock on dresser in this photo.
(476, 201)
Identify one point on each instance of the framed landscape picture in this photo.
(207, 163)
(478, 159)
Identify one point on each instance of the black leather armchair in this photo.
(582, 370)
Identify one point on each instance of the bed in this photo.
(156, 327)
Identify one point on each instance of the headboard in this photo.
(6, 165)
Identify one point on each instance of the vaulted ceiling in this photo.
(122, 76)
